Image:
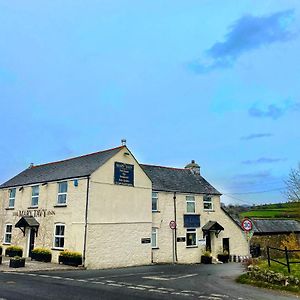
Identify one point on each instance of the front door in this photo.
(208, 242)
(226, 245)
(31, 240)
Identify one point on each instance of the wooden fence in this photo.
(286, 256)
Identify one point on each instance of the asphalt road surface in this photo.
(214, 282)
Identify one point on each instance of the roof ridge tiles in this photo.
(75, 157)
(166, 167)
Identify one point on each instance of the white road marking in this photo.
(135, 288)
(57, 277)
(98, 282)
(158, 291)
(32, 275)
(169, 278)
(115, 284)
(219, 295)
(156, 278)
(146, 286)
(82, 280)
(46, 276)
(67, 278)
(109, 280)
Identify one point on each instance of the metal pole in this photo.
(173, 245)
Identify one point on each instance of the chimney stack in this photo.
(194, 167)
(123, 142)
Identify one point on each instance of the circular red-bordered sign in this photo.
(172, 224)
(247, 224)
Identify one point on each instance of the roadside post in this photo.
(172, 225)
(247, 225)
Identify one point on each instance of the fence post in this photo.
(268, 253)
(287, 259)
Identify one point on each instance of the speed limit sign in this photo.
(172, 224)
(247, 224)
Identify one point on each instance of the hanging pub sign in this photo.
(191, 221)
(124, 174)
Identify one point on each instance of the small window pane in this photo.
(8, 228)
(154, 237)
(12, 193)
(35, 190)
(191, 237)
(190, 207)
(62, 199)
(63, 187)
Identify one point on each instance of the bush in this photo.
(12, 251)
(41, 254)
(70, 258)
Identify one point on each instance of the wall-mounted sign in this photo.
(124, 174)
(34, 213)
(202, 242)
(172, 224)
(181, 239)
(191, 221)
(145, 240)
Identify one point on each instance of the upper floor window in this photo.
(62, 192)
(154, 237)
(190, 204)
(7, 234)
(59, 236)
(12, 197)
(207, 203)
(35, 192)
(154, 201)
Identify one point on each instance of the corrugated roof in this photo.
(263, 226)
(178, 180)
(69, 168)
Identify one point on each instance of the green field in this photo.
(290, 210)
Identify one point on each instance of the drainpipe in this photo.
(86, 220)
(175, 219)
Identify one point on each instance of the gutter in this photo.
(86, 220)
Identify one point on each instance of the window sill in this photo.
(57, 249)
(191, 247)
(208, 210)
(155, 211)
(60, 205)
(155, 248)
(9, 208)
(7, 244)
(32, 207)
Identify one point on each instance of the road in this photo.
(214, 282)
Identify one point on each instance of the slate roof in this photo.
(212, 225)
(178, 180)
(265, 226)
(80, 166)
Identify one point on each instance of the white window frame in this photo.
(63, 193)
(155, 232)
(190, 199)
(210, 201)
(156, 199)
(58, 235)
(34, 197)
(12, 198)
(7, 233)
(191, 230)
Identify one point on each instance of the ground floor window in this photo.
(7, 234)
(154, 238)
(191, 237)
(59, 236)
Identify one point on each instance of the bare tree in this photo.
(292, 191)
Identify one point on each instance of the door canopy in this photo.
(28, 221)
(212, 226)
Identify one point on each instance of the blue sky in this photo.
(203, 80)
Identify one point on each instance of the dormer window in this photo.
(207, 203)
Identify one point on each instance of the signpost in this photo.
(247, 225)
(172, 225)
